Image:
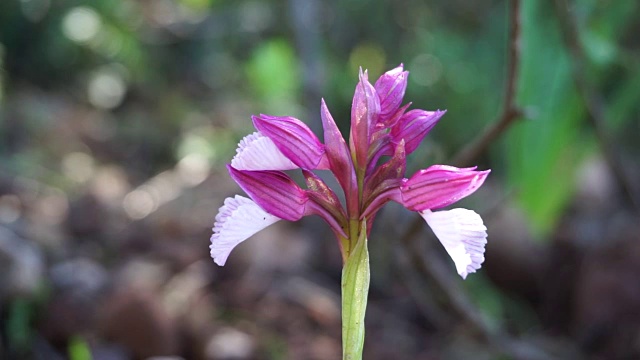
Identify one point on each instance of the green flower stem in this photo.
(355, 290)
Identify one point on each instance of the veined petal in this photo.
(391, 87)
(413, 126)
(339, 158)
(294, 139)
(383, 185)
(440, 186)
(274, 191)
(258, 152)
(237, 220)
(392, 169)
(365, 110)
(463, 235)
(325, 203)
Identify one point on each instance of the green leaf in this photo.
(355, 290)
(79, 349)
(274, 76)
(17, 326)
(543, 153)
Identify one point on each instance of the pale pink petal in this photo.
(463, 235)
(258, 152)
(237, 220)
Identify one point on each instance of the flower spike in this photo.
(380, 126)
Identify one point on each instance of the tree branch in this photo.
(510, 111)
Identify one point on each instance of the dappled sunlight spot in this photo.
(193, 169)
(109, 184)
(106, 88)
(10, 208)
(78, 166)
(138, 204)
(426, 69)
(184, 287)
(192, 143)
(164, 187)
(155, 192)
(370, 56)
(53, 207)
(230, 343)
(81, 24)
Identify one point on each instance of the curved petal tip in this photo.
(237, 220)
(463, 235)
(258, 152)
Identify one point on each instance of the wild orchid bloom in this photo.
(380, 128)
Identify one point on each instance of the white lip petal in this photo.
(237, 220)
(258, 152)
(463, 235)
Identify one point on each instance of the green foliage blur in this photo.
(173, 77)
(138, 87)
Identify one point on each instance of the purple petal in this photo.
(325, 203)
(364, 114)
(390, 88)
(257, 152)
(462, 234)
(296, 141)
(339, 158)
(274, 191)
(440, 186)
(392, 169)
(237, 220)
(413, 126)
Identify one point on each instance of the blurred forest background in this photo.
(116, 118)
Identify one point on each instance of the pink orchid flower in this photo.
(380, 127)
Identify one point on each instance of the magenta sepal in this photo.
(339, 158)
(392, 169)
(274, 191)
(325, 203)
(293, 138)
(365, 109)
(391, 87)
(440, 186)
(413, 126)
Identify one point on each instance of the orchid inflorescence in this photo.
(380, 128)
